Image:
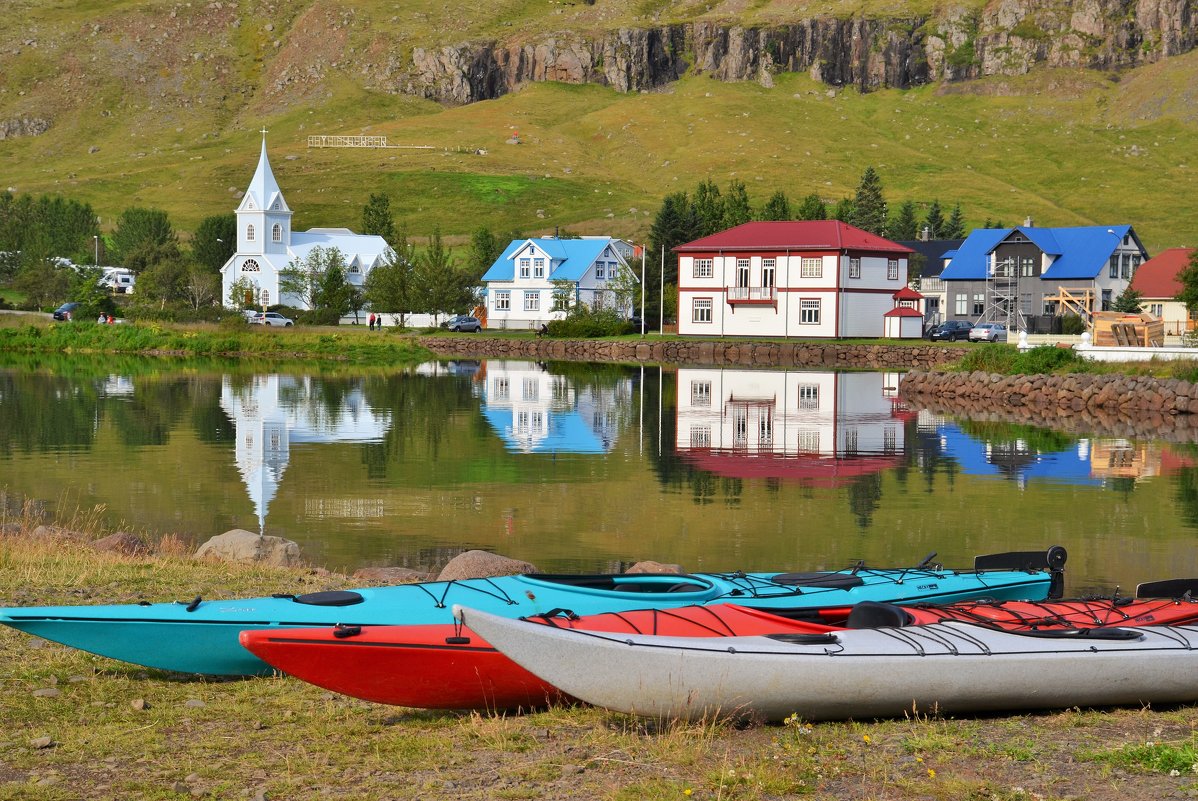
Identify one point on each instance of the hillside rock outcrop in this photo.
(1007, 37)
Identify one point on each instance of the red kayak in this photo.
(450, 667)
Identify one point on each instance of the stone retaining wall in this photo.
(1114, 405)
(699, 352)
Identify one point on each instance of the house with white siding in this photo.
(821, 278)
(266, 245)
(526, 285)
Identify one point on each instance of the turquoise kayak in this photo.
(201, 636)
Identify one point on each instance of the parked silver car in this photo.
(270, 318)
(988, 332)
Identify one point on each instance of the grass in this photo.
(79, 726)
(1066, 147)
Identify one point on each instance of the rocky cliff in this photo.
(1006, 37)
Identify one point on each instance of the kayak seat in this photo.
(875, 615)
(329, 598)
(835, 581)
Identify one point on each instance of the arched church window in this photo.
(250, 266)
(354, 268)
(265, 297)
(249, 233)
(276, 233)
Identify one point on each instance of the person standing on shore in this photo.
(372, 321)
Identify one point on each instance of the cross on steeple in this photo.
(263, 132)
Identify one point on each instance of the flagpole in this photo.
(643, 254)
(661, 311)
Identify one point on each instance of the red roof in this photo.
(1157, 277)
(903, 311)
(907, 293)
(797, 235)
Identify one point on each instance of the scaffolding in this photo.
(1002, 296)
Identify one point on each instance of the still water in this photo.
(578, 467)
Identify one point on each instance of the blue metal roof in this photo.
(569, 258)
(1080, 253)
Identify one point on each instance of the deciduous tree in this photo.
(302, 278)
(812, 208)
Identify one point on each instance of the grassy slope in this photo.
(1057, 145)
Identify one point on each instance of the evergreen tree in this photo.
(676, 223)
(777, 207)
(377, 218)
(935, 221)
(709, 209)
(737, 209)
(869, 205)
(484, 250)
(215, 241)
(812, 208)
(391, 286)
(843, 210)
(955, 227)
(1128, 302)
(904, 225)
(442, 287)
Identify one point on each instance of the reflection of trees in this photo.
(1186, 481)
(157, 405)
(40, 412)
(865, 495)
(422, 408)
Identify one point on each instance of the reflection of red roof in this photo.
(1172, 462)
(903, 311)
(1157, 277)
(797, 235)
(807, 469)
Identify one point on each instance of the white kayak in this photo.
(855, 673)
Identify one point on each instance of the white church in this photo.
(266, 245)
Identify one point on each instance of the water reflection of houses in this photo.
(534, 410)
(273, 411)
(815, 427)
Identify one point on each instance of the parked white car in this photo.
(270, 318)
(988, 332)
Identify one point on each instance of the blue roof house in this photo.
(536, 280)
(1025, 273)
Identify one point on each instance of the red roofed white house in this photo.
(1156, 281)
(818, 278)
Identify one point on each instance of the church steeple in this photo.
(263, 218)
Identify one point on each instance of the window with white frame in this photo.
(502, 388)
(532, 301)
(265, 297)
(276, 233)
(962, 308)
(808, 440)
(809, 311)
(808, 396)
(530, 391)
(503, 301)
(892, 269)
(600, 270)
(768, 268)
(354, 269)
(250, 266)
(1114, 272)
(538, 268)
(1027, 267)
(704, 268)
(249, 233)
(525, 267)
(700, 436)
(979, 304)
(855, 267)
(1156, 309)
(811, 268)
(700, 393)
(701, 310)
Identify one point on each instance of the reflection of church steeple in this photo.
(271, 411)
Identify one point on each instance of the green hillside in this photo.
(1065, 147)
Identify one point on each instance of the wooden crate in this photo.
(1122, 330)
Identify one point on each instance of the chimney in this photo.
(923, 235)
(1028, 222)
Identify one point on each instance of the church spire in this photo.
(264, 190)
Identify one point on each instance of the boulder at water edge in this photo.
(122, 542)
(483, 564)
(240, 545)
(649, 566)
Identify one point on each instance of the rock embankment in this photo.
(699, 352)
(1115, 405)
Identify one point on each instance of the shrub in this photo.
(585, 322)
(1046, 359)
(989, 359)
(1072, 324)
